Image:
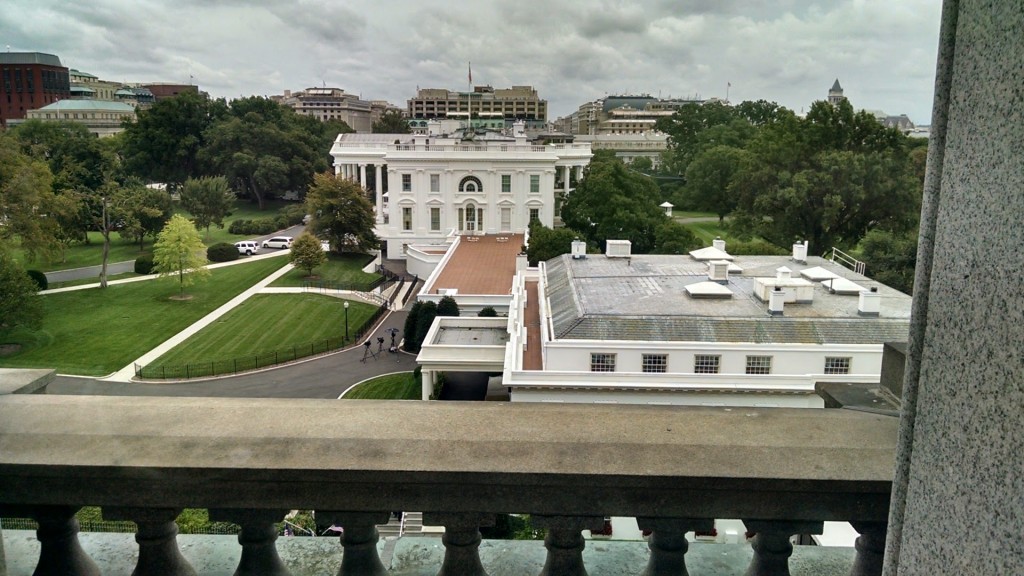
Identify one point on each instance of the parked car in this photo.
(278, 242)
(247, 247)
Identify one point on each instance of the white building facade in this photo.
(428, 186)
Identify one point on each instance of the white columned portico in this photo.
(362, 175)
(565, 180)
(378, 188)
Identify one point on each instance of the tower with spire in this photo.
(835, 93)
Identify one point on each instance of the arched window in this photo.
(471, 184)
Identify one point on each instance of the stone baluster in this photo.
(668, 543)
(358, 540)
(565, 543)
(772, 547)
(259, 553)
(60, 552)
(461, 541)
(157, 537)
(870, 547)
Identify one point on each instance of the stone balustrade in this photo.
(783, 471)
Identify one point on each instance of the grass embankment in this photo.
(269, 322)
(344, 270)
(121, 250)
(400, 386)
(95, 332)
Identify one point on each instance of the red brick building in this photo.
(30, 80)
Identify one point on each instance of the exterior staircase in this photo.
(408, 524)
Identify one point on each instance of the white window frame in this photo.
(759, 365)
(707, 363)
(406, 218)
(435, 219)
(602, 361)
(506, 183)
(534, 183)
(838, 364)
(406, 182)
(654, 363)
(435, 183)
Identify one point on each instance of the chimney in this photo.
(579, 249)
(869, 303)
(776, 301)
(783, 273)
(718, 271)
(718, 244)
(800, 252)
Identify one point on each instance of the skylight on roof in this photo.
(842, 286)
(712, 290)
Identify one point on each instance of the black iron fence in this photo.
(258, 360)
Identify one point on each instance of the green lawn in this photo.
(267, 323)
(707, 231)
(343, 269)
(677, 214)
(83, 281)
(91, 254)
(95, 332)
(390, 387)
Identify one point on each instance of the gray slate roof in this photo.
(644, 299)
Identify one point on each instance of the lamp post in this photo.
(346, 321)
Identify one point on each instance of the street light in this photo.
(346, 321)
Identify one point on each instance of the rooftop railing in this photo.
(783, 471)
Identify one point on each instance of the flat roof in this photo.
(481, 265)
(88, 105)
(645, 297)
(471, 336)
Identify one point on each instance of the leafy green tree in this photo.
(447, 307)
(709, 180)
(547, 243)
(409, 329)
(163, 143)
(423, 322)
(208, 200)
(613, 202)
(143, 211)
(19, 303)
(25, 191)
(488, 312)
(341, 213)
(306, 253)
(179, 250)
(891, 257)
(684, 128)
(671, 237)
(263, 148)
(391, 122)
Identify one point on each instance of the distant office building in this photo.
(331, 104)
(515, 103)
(835, 93)
(379, 108)
(162, 90)
(30, 80)
(621, 114)
(630, 146)
(100, 117)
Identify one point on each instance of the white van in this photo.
(247, 247)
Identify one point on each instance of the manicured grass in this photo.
(96, 332)
(677, 214)
(84, 281)
(340, 269)
(243, 210)
(267, 323)
(390, 387)
(707, 231)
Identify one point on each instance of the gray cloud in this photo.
(573, 51)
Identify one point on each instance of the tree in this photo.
(613, 202)
(709, 180)
(208, 200)
(179, 250)
(163, 143)
(391, 122)
(488, 312)
(671, 237)
(447, 307)
(19, 303)
(263, 148)
(307, 253)
(546, 243)
(423, 322)
(143, 211)
(891, 257)
(341, 213)
(409, 329)
(24, 193)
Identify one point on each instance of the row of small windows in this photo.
(708, 363)
(472, 183)
(53, 81)
(469, 218)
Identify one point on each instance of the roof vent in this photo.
(800, 252)
(783, 273)
(618, 248)
(579, 249)
(718, 271)
(776, 301)
(869, 303)
(718, 243)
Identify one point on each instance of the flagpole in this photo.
(469, 95)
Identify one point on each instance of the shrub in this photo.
(291, 215)
(144, 264)
(488, 312)
(240, 226)
(258, 227)
(39, 278)
(755, 248)
(447, 307)
(222, 252)
(409, 332)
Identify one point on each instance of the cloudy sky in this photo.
(572, 51)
